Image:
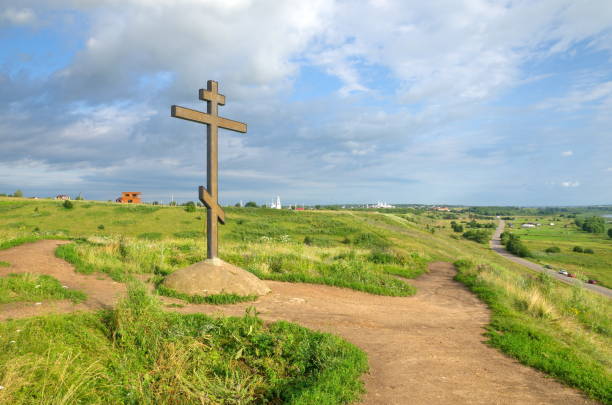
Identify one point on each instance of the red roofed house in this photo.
(129, 197)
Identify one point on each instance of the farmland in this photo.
(565, 235)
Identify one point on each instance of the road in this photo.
(497, 246)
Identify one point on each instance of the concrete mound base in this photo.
(214, 276)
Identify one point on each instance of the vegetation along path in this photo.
(425, 349)
(497, 247)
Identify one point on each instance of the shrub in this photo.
(18, 193)
(457, 227)
(514, 245)
(190, 207)
(578, 249)
(480, 236)
(553, 249)
(381, 257)
(308, 241)
(610, 233)
(588, 250)
(101, 227)
(68, 205)
(251, 204)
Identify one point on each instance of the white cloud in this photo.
(17, 16)
(570, 184)
(567, 153)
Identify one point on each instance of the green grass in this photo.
(565, 235)
(4, 264)
(362, 250)
(139, 354)
(214, 299)
(33, 288)
(521, 327)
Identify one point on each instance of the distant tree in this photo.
(591, 224)
(190, 206)
(79, 197)
(610, 233)
(251, 204)
(172, 203)
(317, 207)
(553, 249)
(456, 227)
(2, 194)
(155, 203)
(237, 204)
(18, 193)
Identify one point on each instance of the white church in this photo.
(276, 205)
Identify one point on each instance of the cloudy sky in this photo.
(442, 101)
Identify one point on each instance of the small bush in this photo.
(578, 249)
(480, 236)
(589, 251)
(553, 249)
(308, 241)
(101, 227)
(190, 207)
(381, 257)
(68, 205)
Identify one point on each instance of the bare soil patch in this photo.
(425, 349)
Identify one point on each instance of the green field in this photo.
(566, 235)
(562, 330)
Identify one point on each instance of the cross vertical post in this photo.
(209, 195)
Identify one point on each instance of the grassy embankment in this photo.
(139, 354)
(541, 322)
(326, 248)
(566, 235)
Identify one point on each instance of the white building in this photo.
(381, 204)
(528, 225)
(276, 205)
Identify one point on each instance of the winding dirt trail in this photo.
(426, 349)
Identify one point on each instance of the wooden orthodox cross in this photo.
(209, 195)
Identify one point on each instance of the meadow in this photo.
(562, 330)
(566, 236)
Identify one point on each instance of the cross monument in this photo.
(209, 196)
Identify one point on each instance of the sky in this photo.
(428, 102)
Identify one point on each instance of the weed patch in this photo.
(139, 354)
(32, 288)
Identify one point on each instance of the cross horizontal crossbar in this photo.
(198, 116)
(211, 204)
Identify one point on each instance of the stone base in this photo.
(214, 276)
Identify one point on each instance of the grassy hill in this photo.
(563, 330)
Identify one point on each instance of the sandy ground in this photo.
(426, 349)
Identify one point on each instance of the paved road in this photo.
(496, 245)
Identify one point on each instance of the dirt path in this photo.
(39, 257)
(426, 349)
(497, 247)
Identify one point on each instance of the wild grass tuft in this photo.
(139, 354)
(27, 287)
